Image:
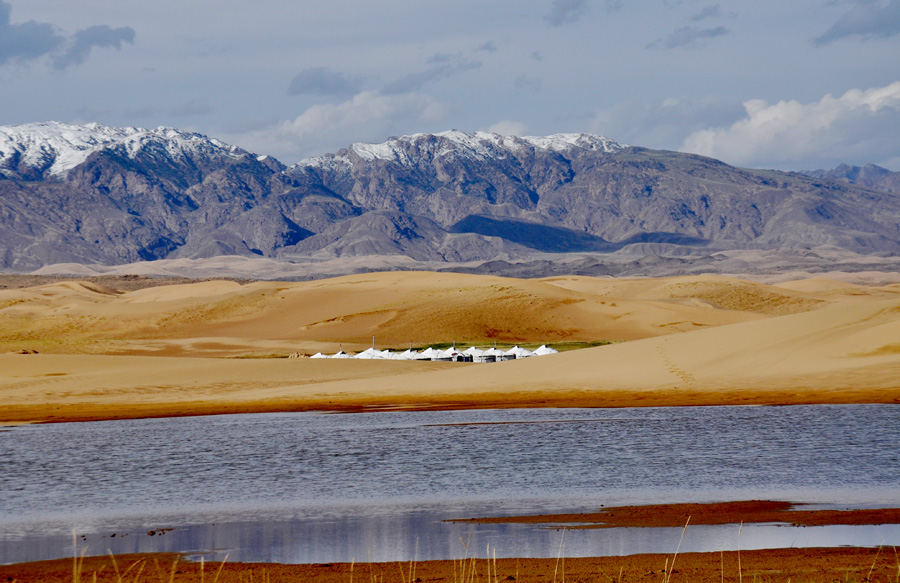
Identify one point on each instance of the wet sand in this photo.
(799, 565)
(677, 515)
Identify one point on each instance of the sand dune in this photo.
(398, 308)
(840, 344)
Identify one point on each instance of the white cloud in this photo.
(368, 116)
(508, 128)
(859, 126)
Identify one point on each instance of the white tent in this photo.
(479, 355)
(428, 354)
(407, 355)
(319, 355)
(341, 354)
(519, 352)
(545, 350)
(449, 354)
(371, 354)
(494, 355)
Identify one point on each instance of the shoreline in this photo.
(817, 564)
(345, 401)
(20, 415)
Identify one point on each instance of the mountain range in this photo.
(96, 195)
(870, 176)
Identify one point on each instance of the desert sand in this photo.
(210, 347)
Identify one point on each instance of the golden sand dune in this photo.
(688, 350)
(397, 308)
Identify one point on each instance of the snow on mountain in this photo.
(51, 149)
(477, 146)
(565, 142)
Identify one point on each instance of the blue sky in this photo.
(790, 85)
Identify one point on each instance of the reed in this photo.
(668, 571)
(133, 573)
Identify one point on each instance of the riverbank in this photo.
(877, 565)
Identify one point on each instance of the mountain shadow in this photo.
(534, 236)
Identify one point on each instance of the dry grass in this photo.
(880, 565)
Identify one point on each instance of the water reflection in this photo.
(324, 488)
(423, 535)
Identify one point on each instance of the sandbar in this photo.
(679, 515)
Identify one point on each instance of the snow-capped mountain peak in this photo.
(564, 142)
(51, 149)
(478, 145)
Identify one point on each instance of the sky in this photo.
(794, 85)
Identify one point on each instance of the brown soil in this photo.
(819, 565)
(673, 515)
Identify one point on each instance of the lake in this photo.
(313, 487)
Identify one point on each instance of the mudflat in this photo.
(680, 515)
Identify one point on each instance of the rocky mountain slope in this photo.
(99, 195)
(869, 176)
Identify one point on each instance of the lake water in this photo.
(306, 487)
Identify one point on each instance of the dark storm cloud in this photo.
(324, 81)
(566, 12)
(25, 41)
(84, 40)
(867, 19)
(687, 36)
(442, 66)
